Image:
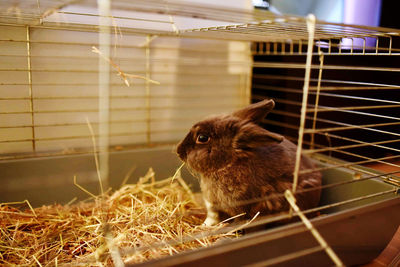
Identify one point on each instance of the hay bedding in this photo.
(116, 228)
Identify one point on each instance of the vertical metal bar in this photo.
(248, 83)
(254, 48)
(352, 44)
(364, 42)
(104, 7)
(311, 30)
(321, 64)
(300, 46)
(31, 104)
(377, 45)
(390, 45)
(291, 47)
(330, 47)
(148, 95)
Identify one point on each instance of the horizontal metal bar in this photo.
(377, 144)
(216, 63)
(96, 136)
(151, 120)
(140, 46)
(338, 148)
(357, 163)
(381, 176)
(360, 144)
(172, 107)
(294, 78)
(312, 109)
(324, 131)
(352, 88)
(353, 109)
(350, 165)
(360, 98)
(391, 177)
(83, 151)
(394, 104)
(281, 124)
(138, 82)
(299, 91)
(335, 53)
(95, 97)
(372, 160)
(353, 127)
(259, 64)
(345, 126)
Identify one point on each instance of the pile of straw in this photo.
(138, 222)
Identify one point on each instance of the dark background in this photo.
(285, 118)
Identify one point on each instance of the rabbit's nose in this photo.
(181, 151)
(185, 145)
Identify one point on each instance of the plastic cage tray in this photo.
(360, 221)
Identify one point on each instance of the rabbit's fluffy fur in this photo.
(238, 161)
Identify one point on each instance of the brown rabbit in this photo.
(239, 161)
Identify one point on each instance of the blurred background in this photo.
(361, 12)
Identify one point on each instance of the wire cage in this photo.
(90, 89)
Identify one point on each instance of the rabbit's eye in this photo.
(202, 139)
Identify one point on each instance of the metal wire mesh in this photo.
(346, 117)
(47, 107)
(350, 112)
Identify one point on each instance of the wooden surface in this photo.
(390, 256)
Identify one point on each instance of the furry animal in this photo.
(239, 163)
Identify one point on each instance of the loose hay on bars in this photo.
(90, 232)
(124, 76)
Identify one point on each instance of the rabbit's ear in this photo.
(255, 112)
(252, 136)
